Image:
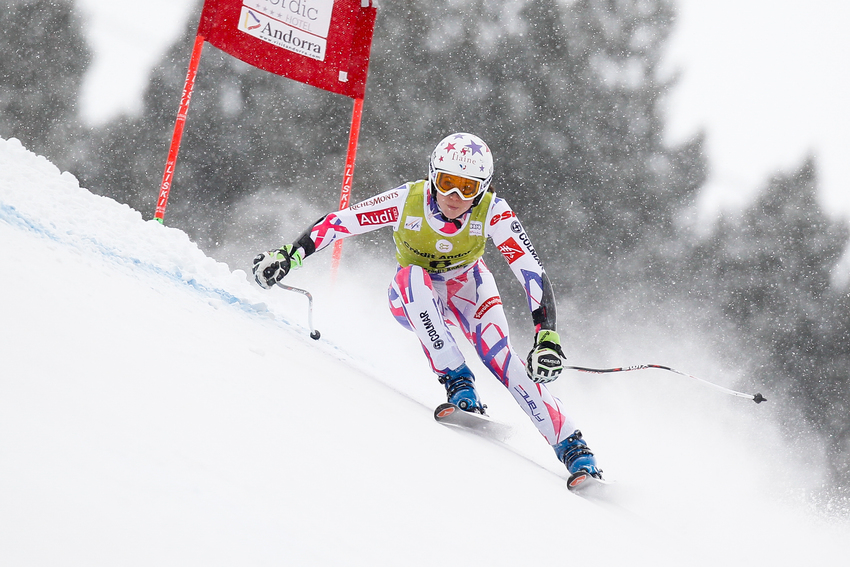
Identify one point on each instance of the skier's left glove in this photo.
(546, 359)
(270, 267)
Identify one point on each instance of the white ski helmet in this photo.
(466, 156)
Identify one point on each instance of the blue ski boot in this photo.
(460, 389)
(573, 452)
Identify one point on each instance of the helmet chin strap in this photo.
(478, 198)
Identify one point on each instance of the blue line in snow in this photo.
(13, 217)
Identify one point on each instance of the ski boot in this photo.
(578, 458)
(460, 389)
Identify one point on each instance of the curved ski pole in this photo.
(314, 334)
(757, 398)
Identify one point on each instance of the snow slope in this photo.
(158, 409)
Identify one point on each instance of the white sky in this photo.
(768, 81)
(128, 37)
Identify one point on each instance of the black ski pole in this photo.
(314, 334)
(757, 398)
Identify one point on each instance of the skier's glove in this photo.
(270, 267)
(546, 359)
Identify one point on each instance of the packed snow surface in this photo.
(157, 408)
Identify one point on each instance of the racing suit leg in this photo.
(414, 304)
(475, 305)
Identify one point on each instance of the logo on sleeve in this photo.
(376, 200)
(504, 216)
(384, 216)
(511, 250)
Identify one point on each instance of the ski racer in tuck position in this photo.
(440, 229)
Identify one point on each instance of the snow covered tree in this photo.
(44, 57)
(769, 274)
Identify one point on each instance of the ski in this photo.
(581, 482)
(450, 414)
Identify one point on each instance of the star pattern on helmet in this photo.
(459, 150)
(476, 148)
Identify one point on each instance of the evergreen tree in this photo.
(769, 274)
(44, 57)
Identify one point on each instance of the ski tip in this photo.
(444, 410)
(579, 479)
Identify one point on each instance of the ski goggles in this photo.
(466, 188)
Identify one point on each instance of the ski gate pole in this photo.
(179, 126)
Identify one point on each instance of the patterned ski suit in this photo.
(442, 279)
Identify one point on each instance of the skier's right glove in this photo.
(546, 359)
(270, 267)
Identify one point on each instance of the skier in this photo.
(440, 226)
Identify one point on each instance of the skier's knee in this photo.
(408, 279)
